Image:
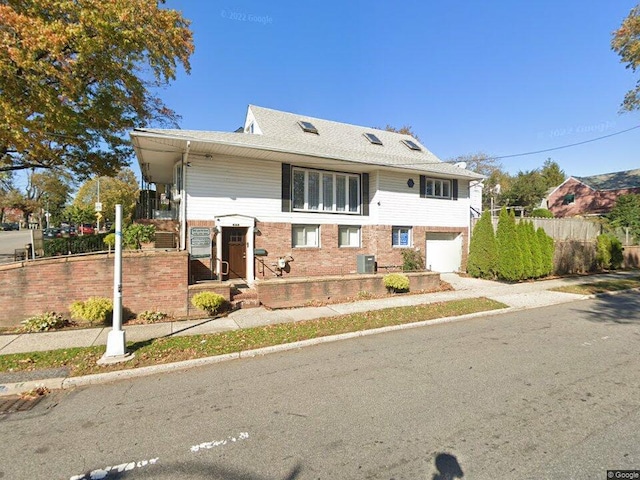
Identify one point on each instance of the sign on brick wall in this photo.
(200, 242)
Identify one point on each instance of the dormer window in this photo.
(412, 145)
(308, 127)
(373, 138)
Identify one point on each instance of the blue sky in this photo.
(501, 77)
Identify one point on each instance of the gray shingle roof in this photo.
(613, 181)
(280, 131)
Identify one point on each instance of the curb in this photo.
(108, 377)
(59, 383)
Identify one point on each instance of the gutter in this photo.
(183, 194)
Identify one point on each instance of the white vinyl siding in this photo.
(393, 202)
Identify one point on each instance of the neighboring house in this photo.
(595, 195)
(298, 196)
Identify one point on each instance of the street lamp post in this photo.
(116, 344)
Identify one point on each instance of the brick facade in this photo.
(150, 280)
(585, 200)
(296, 292)
(329, 259)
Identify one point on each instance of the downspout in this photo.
(183, 196)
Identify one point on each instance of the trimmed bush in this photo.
(152, 316)
(396, 282)
(525, 249)
(509, 254)
(483, 250)
(536, 254)
(94, 310)
(547, 251)
(44, 322)
(110, 240)
(412, 260)
(210, 302)
(608, 252)
(135, 234)
(541, 213)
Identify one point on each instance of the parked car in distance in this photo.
(8, 226)
(68, 231)
(86, 229)
(51, 233)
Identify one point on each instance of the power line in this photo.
(566, 146)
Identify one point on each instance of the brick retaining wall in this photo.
(150, 280)
(296, 292)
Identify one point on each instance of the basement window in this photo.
(308, 127)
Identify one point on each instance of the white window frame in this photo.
(440, 188)
(328, 205)
(350, 231)
(306, 230)
(396, 232)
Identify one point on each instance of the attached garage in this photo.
(444, 252)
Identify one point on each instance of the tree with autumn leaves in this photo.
(77, 75)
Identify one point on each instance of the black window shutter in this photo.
(454, 190)
(286, 187)
(365, 194)
(423, 186)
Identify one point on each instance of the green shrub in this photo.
(525, 249)
(536, 254)
(547, 252)
(396, 282)
(44, 322)
(483, 250)
(608, 252)
(541, 213)
(151, 316)
(210, 302)
(509, 253)
(95, 310)
(412, 260)
(110, 240)
(135, 234)
(73, 245)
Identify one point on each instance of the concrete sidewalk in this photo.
(516, 296)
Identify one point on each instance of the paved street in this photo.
(550, 393)
(10, 241)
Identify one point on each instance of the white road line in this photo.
(101, 473)
(219, 443)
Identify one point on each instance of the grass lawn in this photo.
(601, 287)
(82, 361)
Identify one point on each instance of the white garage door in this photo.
(444, 252)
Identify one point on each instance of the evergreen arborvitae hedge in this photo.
(509, 253)
(483, 250)
(525, 249)
(536, 254)
(547, 250)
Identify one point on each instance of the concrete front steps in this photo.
(243, 296)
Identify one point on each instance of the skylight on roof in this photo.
(308, 127)
(412, 145)
(372, 138)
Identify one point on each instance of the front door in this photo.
(234, 251)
